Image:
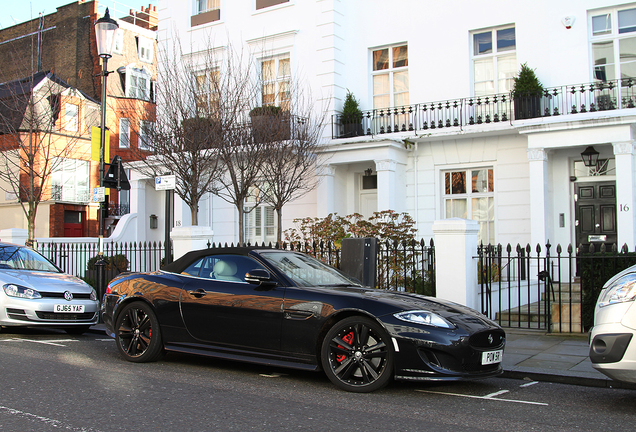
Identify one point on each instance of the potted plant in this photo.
(351, 118)
(527, 93)
(269, 123)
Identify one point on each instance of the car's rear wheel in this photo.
(137, 333)
(357, 355)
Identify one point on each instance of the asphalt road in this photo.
(54, 382)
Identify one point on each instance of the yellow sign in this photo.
(96, 138)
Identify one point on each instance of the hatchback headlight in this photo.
(13, 290)
(93, 294)
(621, 290)
(423, 317)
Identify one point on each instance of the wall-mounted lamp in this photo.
(368, 172)
(590, 157)
(153, 222)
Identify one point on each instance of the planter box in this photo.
(349, 130)
(527, 107)
(269, 128)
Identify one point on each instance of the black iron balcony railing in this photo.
(118, 210)
(491, 109)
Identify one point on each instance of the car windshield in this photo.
(307, 271)
(19, 258)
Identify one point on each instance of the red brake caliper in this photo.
(348, 338)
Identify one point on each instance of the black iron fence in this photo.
(496, 108)
(546, 288)
(79, 258)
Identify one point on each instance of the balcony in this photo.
(465, 113)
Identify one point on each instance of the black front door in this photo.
(595, 213)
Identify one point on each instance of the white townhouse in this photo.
(439, 135)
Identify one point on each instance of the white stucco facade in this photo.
(530, 169)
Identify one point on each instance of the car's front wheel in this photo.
(137, 333)
(357, 355)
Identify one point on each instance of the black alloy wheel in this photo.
(357, 355)
(137, 333)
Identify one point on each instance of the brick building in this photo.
(64, 43)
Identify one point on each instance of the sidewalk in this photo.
(553, 357)
(541, 356)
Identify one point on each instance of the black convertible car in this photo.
(288, 309)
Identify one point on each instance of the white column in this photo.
(326, 190)
(455, 268)
(138, 205)
(391, 185)
(624, 157)
(538, 163)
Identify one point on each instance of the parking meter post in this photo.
(101, 277)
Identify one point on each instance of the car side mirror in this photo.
(260, 277)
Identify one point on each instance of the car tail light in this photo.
(108, 289)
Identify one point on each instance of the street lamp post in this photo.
(105, 29)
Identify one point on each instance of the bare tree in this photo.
(292, 154)
(186, 138)
(35, 138)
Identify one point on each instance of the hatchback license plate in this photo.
(68, 308)
(491, 357)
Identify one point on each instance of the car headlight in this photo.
(13, 290)
(93, 294)
(423, 317)
(621, 290)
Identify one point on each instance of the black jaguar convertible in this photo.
(288, 309)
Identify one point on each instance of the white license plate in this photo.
(491, 357)
(68, 308)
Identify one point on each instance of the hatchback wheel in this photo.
(357, 355)
(137, 333)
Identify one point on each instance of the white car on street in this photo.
(613, 337)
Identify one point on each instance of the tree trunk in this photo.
(241, 221)
(194, 213)
(279, 228)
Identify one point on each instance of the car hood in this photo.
(44, 281)
(403, 301)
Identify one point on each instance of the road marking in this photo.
(487, 397)
(49, 421)
(529, 384)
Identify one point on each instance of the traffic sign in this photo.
(165, 182)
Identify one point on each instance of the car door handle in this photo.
(198, 293)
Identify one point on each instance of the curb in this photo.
(565, 379)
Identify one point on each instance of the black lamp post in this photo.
(105, 29)
(590, 157)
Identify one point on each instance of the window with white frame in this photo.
(276, 75)
(260, 222)
(71, 117)
(145, 127)
(69, 180)
(613, 38)
(137, 83)
(118, 43)
(494, 60)
(260, 225)
(201, 6)
(124, 133)
(390, 76)
(145, 49)
(470, 194)
(207, 91)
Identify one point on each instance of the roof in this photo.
(15, 96)
(182, 263)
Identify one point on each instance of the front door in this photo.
(595, 213)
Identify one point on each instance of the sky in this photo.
(18, 11)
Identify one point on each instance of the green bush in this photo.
(117, 262)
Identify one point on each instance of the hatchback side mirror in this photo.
(260, 277)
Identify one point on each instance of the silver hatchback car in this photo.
(37, 293)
